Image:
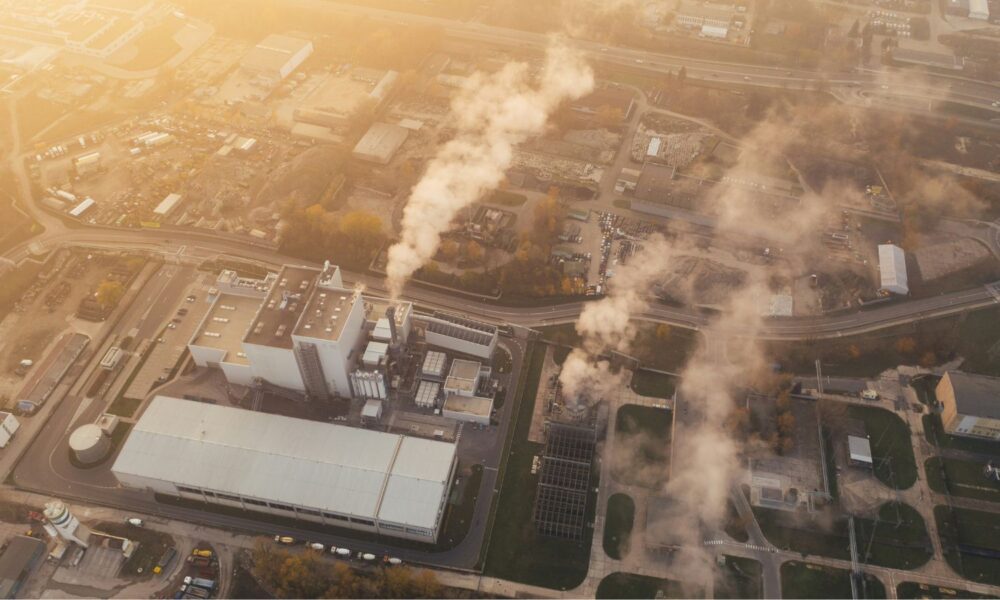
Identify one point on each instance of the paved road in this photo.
(898, 84)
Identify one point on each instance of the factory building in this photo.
(460, 334)
(892, 269)
(380, 143)
(167, 206)
(360, 479)
(859, 451)
(471, 409)
(979, 10)
(970, 404)
(300, 330)
(276, 57)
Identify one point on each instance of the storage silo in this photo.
(89, 444)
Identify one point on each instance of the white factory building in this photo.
(276, 57)
(892, 269)
(979, 10)
(301, 330)
(360, 479)
(460, 334)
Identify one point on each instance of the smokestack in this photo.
(390, 313)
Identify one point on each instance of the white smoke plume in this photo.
(607, 325)
(493, 114)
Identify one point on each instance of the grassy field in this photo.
(739, 578)
(934, 431)
(651, 383)
(618, 522)
(668, 352)
(967, 536)
(901, 540)
(961, 478)
(515, 551)
(911, 590)
(628, 585)
(892, 448)
(799, 533)
(804, 580)
(642, 440)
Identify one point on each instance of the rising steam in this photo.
(607, 325)
(493, 114)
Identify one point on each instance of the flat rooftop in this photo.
(326, 311)
(463, 376)
(226, 324)
(273, 52)
(470, 405)
(345, 470)
(282, 307)
(375, 308)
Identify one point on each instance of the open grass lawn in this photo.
(971, 542)
(515, 550)
(618, 522)
(962, 478)
(152, 545)
(642, 442)
(739, 578)
(628, 585)
(912, 590)
(651, 383)
(892, 448)
(934, 431)
(900, 538)
(669, 353)
(825, 535)
(804, 580)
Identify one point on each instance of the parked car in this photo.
(134, 521)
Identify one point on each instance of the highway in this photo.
(895, 83)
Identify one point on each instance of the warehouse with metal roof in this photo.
(355, 478)
(892, 269)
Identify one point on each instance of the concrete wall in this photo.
(274, 365)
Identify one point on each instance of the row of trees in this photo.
(312, 232)
(305, 575)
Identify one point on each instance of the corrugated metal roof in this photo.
(293, 461)
(892, 268)
(419, 479)
(975, 395)
(860, 448)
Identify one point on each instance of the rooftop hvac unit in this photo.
(212, 334)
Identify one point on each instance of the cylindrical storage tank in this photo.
(89, 444)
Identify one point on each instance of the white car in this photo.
(134, 521)
(996, 104)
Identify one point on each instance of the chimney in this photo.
(390, 313)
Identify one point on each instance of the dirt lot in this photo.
(27, 332)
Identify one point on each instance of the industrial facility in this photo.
(302, 330)
(892, 269)
(355, 478)
(276, 57)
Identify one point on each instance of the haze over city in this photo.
(500, 299)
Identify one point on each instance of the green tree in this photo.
(109, 293)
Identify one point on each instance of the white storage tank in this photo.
(89, 444)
